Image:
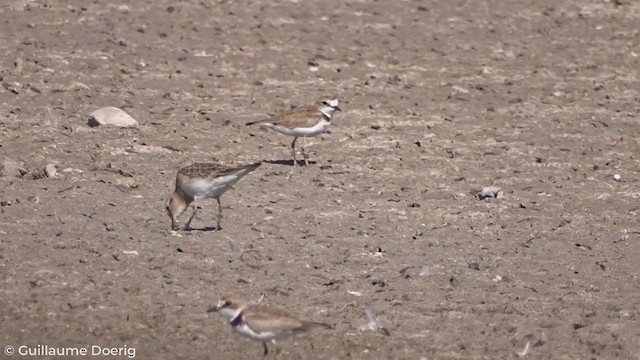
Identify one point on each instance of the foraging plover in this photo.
(261, 322)
(303, 122)
(199, 181)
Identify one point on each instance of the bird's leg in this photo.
(304, 155)
(219, 227)
(187, 226)
(266, 350)
(293, 149)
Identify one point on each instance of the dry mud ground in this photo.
(440, 98)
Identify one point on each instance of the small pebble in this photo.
(51, 171)
(489, 192)
(616, 177)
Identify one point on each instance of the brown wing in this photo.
(313, 324)
(261, 318)
(272, 320)
(211, 169)
(305, 116)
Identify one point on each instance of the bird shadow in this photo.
(289, 162)
(201, 229)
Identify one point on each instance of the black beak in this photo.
(338, 108)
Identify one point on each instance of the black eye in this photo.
(325, 103)
(227, 303)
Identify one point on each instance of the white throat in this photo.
(327, 111)
(229, 313)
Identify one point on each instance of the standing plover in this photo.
(203, 180)
(302, 122)
(262, 323)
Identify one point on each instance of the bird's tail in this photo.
(313, 324)
(245, 169)
(253, 166)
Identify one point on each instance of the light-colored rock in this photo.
(148, 149)
(11, 169)
(126, 182)
(52, 172)
(111, 116)
(69, 169)
(489, 192)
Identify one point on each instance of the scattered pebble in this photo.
(354, 293)
(616, 177)
(455, 89)
(11, 169)
(424, 271)
(126, 183)
(72, 170)
(52, 117)
(372, 321)
(19, 64)
(489, 192)
(148, 149)
(35, 174)
(51, 171)
(111, 116)
(523, 352)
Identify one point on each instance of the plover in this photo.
(199, 181)
(302, 122)
(261, 322)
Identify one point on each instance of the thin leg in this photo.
(293, 148)
(219, 227)
(266, 350)
(304, 155)
(187, 226)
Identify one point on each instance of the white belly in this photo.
(205, 188)
(246, 331)
(315, 130)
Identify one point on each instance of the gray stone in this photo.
(11, 169)
(51, 171)
(489, 192)
(111, 116)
